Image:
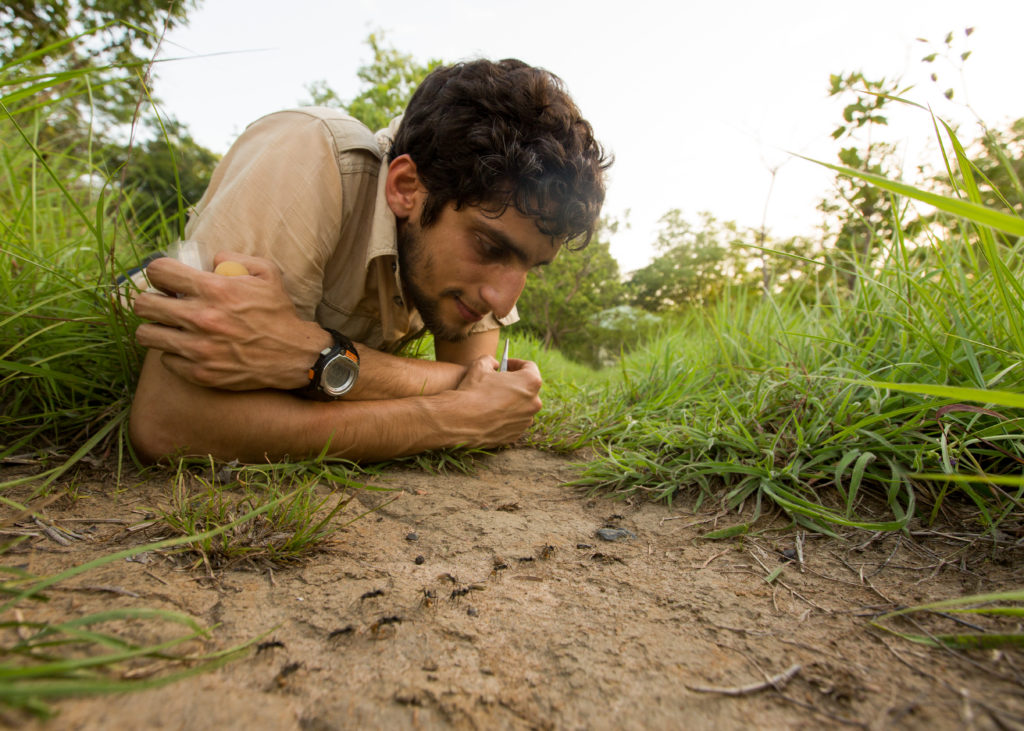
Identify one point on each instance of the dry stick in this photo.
(99, 588)
(860, 574)
(717, 555)
(150, 573)
(776, 681)
(886, 562)
(52, 533)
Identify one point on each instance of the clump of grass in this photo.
(841, 407)
(299, 525)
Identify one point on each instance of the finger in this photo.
(486, 363)
(171, 276)
(515, 364)
(160, 337)
(163, 310)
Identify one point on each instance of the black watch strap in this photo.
(334, 371)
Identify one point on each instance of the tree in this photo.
(863, 212)
(96, 46)
(388, 84)
(163, 176)
(694, 264)
(562, 302)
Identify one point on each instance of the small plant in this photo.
(296, 527)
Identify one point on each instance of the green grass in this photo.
(895, 402)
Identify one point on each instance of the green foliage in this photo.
(876, 409)
(110, 38)
(164, 177)
(694, 263)
(863, 214)
(978, 607)
(67, 355)
(389, 81)
(1000, 168)
(565, 304)
(297, 525)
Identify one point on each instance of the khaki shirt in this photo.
(305, 189)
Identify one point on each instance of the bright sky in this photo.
(697, 101)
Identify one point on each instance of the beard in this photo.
(416, 264)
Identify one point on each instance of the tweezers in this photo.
(504, 358)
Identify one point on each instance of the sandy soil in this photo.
(519, 616)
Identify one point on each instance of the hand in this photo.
(503, 404)
(238, 333)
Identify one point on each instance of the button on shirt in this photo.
(305, 189)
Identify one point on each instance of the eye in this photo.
(488, 250)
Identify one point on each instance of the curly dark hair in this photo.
(505, 133)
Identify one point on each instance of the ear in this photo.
(404, 191)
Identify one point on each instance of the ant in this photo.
(377, 626)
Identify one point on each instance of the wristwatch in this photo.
(334, 372)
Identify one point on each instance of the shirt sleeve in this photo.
(276, 194)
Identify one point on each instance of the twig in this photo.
(717, 555)
(99, 588)
(886, 562)
(52, 533)
(776, 681)
(150, 573)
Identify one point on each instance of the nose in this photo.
(502, 291)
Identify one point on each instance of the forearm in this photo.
(171, 416)
(383, 376)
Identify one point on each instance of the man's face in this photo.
(468, 264)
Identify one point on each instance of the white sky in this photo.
(697, 101)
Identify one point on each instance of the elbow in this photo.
(150, 442)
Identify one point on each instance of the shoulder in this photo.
(344, 132)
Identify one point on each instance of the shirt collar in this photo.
(384, 228)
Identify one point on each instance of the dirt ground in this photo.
(518, 615)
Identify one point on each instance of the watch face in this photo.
(339, 375)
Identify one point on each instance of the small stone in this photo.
(583, 546)
(420, 560)
(412, 537)
(472, 612)
(615, 534)
(788, 554)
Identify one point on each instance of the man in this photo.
(353, 243)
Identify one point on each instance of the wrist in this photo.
(312, 339)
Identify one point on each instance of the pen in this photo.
(504, 358)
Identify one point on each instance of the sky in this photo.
(698, 102)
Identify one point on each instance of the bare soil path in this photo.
(489, 601)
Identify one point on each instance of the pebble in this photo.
(420, 560)
(472, 612)
(614, 534)
(412, 537)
